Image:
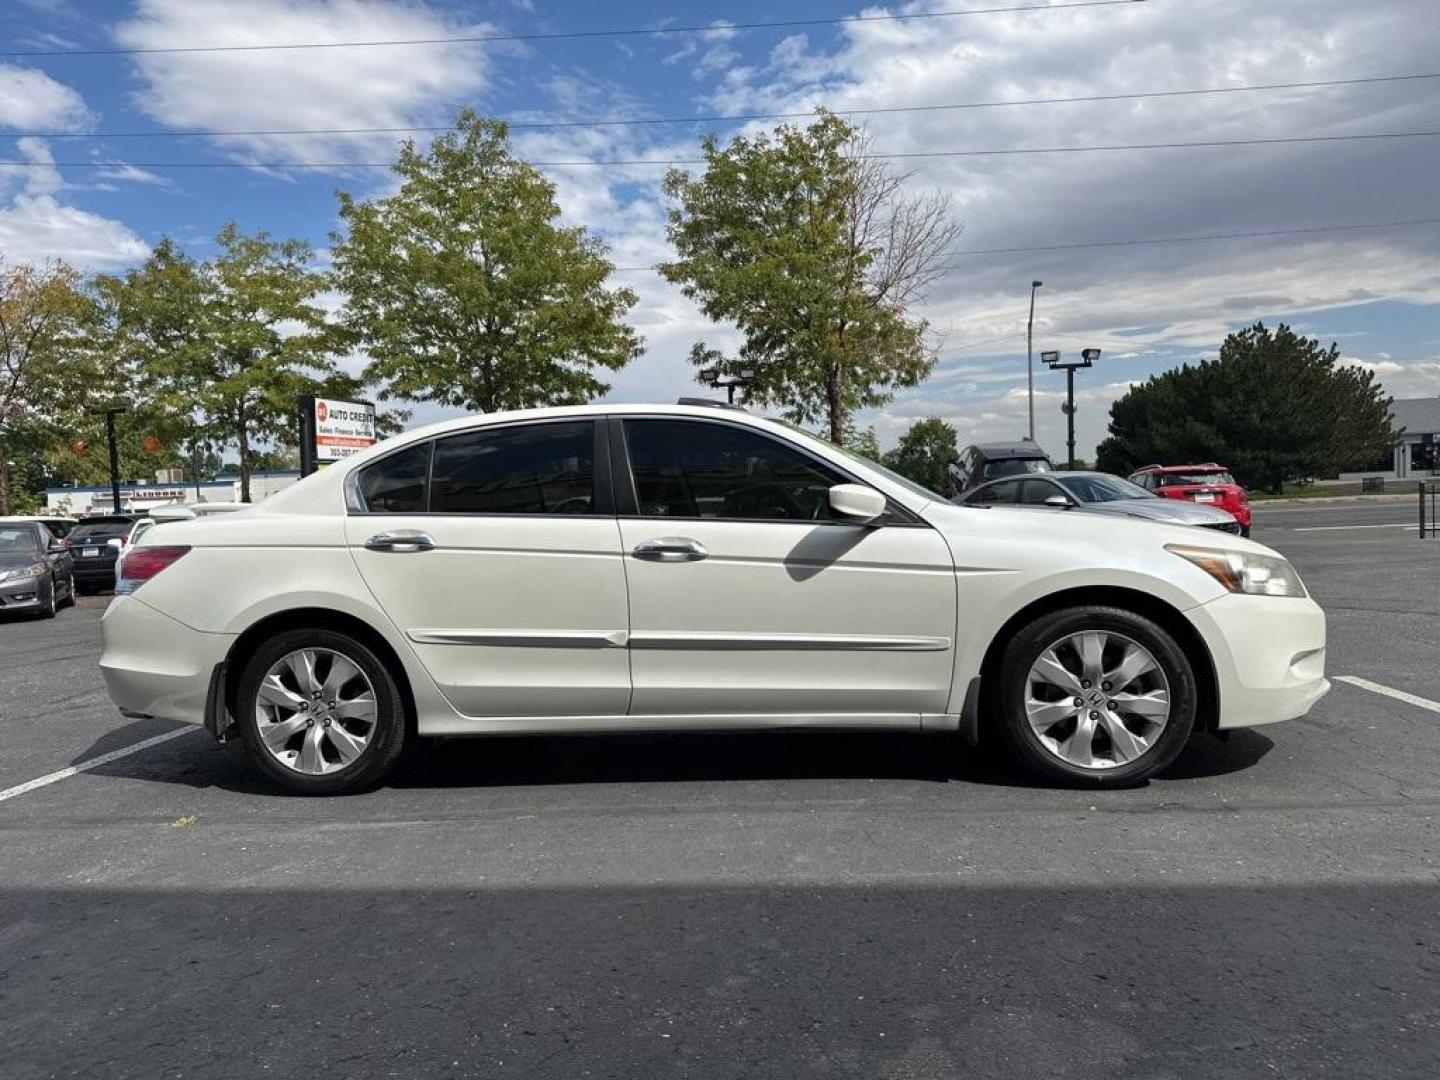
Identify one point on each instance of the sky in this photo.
(122, 145)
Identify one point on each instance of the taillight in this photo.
(143, 563)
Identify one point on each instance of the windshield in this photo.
(1098, 489)
(889, 474)
(1014, 467)
(1176, 479)
(24, 539)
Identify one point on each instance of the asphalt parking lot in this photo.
(742, 906)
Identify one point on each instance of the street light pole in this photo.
(1030, 357)
(110, 412)
(1053, 361)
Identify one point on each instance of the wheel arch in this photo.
(1141, 603)
(314, 618)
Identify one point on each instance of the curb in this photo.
(1330, 500)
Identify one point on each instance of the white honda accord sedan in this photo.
(624, 568)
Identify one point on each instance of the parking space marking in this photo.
(1335, 528)
(1390, 691)
(95, 762)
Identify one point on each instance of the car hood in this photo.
(1171, 510)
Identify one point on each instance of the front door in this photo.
(748, 597)
(495, 553)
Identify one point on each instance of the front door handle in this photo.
(670, 549)
(401, 540)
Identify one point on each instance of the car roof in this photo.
(101, 519)
(35, 517)
(1208, 466)
(1008, 450)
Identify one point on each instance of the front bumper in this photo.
(1269, 655)
(27, 594)
(154, 665)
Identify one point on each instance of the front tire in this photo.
(319, 713)
(69, 600)
(1095, 697)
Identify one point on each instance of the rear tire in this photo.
(1141, 682)
(330, 730)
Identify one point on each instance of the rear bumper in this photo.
(157, 666)
(95, 573)
(1269, 655)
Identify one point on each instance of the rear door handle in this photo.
(670, 549)
(401, 540)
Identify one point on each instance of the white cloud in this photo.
(36, 228)
(319, 88)
(32, 100)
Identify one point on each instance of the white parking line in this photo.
(1390, 691)
(1332, 528)
(95, 762)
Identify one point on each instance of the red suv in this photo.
(1210, 484)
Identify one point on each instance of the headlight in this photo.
(1243, 571)
(20, 574)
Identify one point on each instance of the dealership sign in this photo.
(331, 430)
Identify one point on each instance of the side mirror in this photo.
(857, 503)
(1059, 500)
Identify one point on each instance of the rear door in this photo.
(747, 598)
(496, 552)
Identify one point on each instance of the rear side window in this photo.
(398, 484)
(525, 469)
(688, 469)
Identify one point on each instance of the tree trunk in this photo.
(243, 438)
(4, 481)
(837, 407)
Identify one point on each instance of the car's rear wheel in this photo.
(1095, 697)
(319, 713)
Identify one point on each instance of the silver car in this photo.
(1096, 493)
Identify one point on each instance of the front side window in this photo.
(1099, 489)
(398, 484)
(1035, 492)
(690, 469)
(524, 469)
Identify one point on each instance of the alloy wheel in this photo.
(315, 711)
(1097, 699)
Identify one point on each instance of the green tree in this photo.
(863, 442)
(465, 290)
(1273, 407)
(925, 454)
(45, 359)
(813, 250)
(222, 348)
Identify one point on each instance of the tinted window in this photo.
(688, 469)
(534, 469)
(1184, 478)
(397, 484)
(1035, 492)
(1015, 467)
(99, 530)
(1006, 494)
(20, 538)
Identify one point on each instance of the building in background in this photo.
(168, 489)
(1418, 421)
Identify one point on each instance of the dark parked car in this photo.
(95, 556)
(36, 572)
(1097, 493)
(991, 461)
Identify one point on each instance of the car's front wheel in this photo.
(1096, 697)
(319, 713)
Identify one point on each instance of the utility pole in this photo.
(1087, 359)
(111, 411)
(1030, 356)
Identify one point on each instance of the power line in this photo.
(625, 162)
(1148, 241)
(654, 31)
(732, 118)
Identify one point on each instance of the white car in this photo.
(624, 568)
